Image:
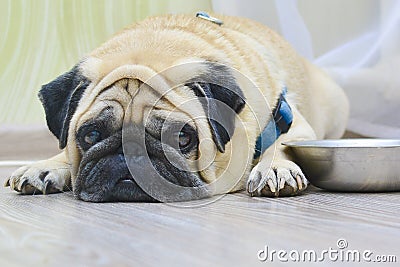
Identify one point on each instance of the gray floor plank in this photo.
(58, 230)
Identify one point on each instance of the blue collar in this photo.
(281, 123)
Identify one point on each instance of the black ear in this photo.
(60, 99)
(223, 100)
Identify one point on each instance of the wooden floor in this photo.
(58, 230)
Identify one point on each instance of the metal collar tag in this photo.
(204, 15)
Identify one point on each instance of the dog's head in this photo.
(138, 111)
(179, 128)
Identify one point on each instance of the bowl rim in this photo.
(357, 143)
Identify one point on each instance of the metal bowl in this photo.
(356, 165)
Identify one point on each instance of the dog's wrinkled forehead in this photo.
(114, 98)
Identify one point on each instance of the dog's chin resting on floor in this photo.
(177, 107)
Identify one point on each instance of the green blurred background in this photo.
(40, 39)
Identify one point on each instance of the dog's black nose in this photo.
(109, 179)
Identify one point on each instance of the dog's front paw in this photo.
(282, 178)
(46, 176)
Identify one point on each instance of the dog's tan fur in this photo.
(257, 54)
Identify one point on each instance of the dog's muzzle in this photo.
(107, 174)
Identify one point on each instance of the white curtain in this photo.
(357, 42)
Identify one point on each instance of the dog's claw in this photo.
(47, 187)
(299, 182)
(271, 185)
(281, 184)
(7, 182)
(252, 185)
(23, 184)
(250, 188)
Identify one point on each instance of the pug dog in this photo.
(182, 102)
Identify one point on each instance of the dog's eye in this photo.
(184, 139)
(187, 139)
(92, 137)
